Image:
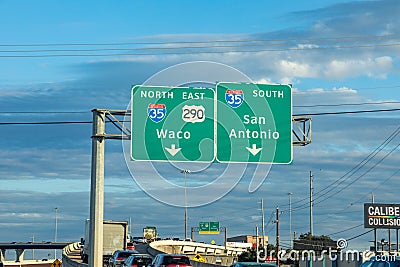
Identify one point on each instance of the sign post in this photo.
(254, 123)
(172, 124)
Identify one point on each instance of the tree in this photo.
(251, 254)
(308, 236)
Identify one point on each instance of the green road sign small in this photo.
(204, 226)
(172, 124)
(214, 227)
(208, 227)
(254, 123)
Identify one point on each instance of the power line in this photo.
(376, 187)
(348, 112)
(347, 229)
(348, 104)
(209, 44)
(295, 106)
(362, 175)
(72, 122)
(357, 236)
(351, 172)
(343, 188)
(334, 38)
(44, 112)
(201, 52)
(45, 122)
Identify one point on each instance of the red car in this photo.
(130, 246)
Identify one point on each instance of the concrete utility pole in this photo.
(375, 232)
(262, 222)
(311, 205)
(97, 190)
(55, 233)
(258, 260)
(290, 220)
(277, 237)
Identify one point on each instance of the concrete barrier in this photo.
(69, 254)
(211, 253)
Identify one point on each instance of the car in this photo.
(119, 256)
(254, 264)
(138, 260)
(130, 246)
(138, 239)
(171, 260)
(382, 261)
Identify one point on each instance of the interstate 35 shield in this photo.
(156, 112)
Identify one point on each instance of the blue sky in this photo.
(339, 56)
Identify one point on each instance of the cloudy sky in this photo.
(61, 59)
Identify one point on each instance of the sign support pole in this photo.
(97, 171)
(97, 190)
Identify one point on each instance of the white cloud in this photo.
(20, 215)
(296, 69)
(375, 68)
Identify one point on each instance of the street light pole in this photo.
(290, 219)
(185, 171)
(311, 205)
(33, 250)
(55, 233)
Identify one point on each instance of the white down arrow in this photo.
(173, 150)
(254, 150)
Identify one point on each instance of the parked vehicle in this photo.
(138, 260)
(171, 260)
(115, 235)
(150, 233)
(119, 257)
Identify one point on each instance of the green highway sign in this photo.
(254, 123)
(172, 123)
(214, 227)
(204, 226)
(236, 122)
(208, 227)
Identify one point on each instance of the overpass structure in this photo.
(213, 254)
(20, 248)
